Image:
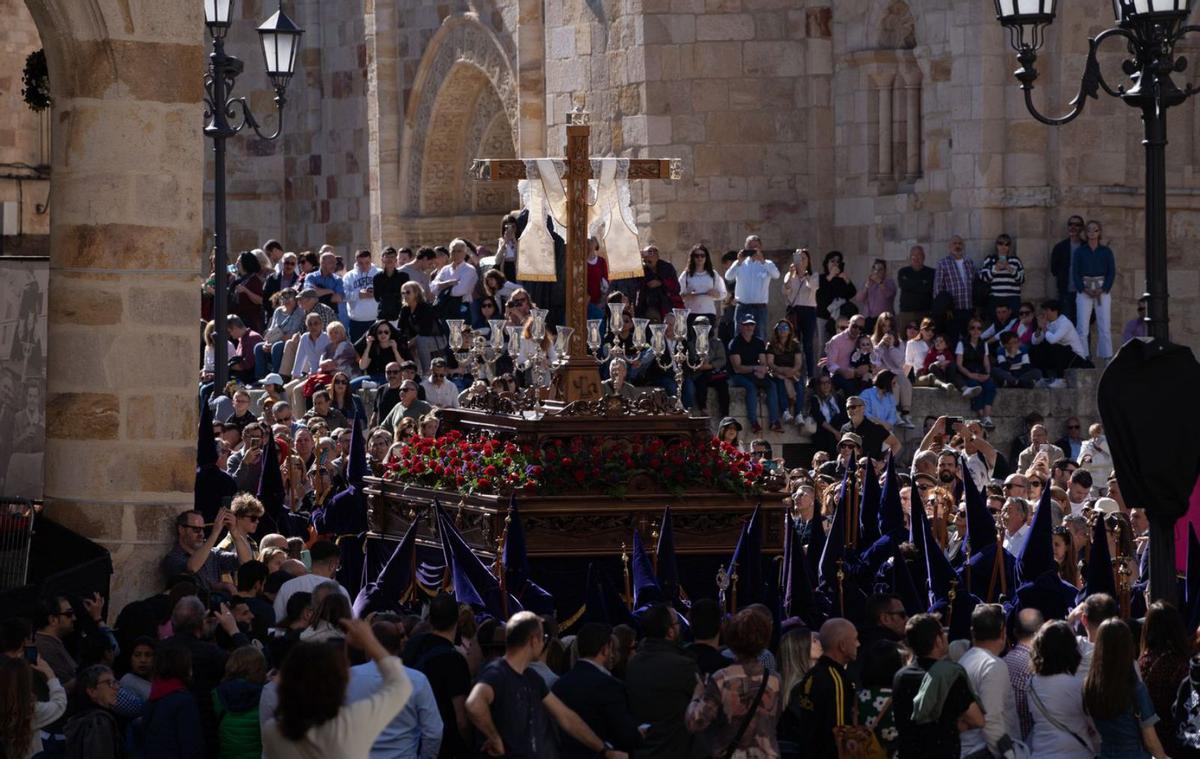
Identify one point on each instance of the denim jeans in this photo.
(758, 311)
(748, 383)
(797, 408)
(986, 397)
(805, 319)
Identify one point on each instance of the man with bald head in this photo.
(824, 699)
(1020, 664)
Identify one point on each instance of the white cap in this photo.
(272, 379)
(1106, 506)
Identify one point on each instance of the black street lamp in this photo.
(227, 115)
(1150, 29)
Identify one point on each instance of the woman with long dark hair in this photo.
(246, 293)
(783, 354)
(700, 286)
(312, 720)
(1061, 728)
(376, 349)
(834, 292)
(20, 715)
(1117, 700)
(1164, 664)
(1064, 555)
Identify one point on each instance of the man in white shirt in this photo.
(1015, 516)
(457, 279)
(751, 276)
(358, 284)
(1094, 610)
(325, 557)
(440, 391)
(989, 678)
(1057, 345)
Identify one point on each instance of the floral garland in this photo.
(574, 465)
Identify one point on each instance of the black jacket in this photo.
(660, 680)
(818, 703)
(599, 699)
(1060, 265)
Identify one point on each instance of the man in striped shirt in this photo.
(954, 276)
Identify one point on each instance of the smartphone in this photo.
(951, 421)
(31, 654)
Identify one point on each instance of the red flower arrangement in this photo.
(572, 465)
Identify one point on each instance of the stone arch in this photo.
(895, 26)
(462, 58)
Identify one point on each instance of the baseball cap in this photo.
(308, 292)
(272, 379)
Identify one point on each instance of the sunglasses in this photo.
(392, 372)
(1003, 243)
(697, 255)
(517, 302)
(487, 305)
(1024, 313)
(847, 447)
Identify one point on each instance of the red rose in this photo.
(580, 476)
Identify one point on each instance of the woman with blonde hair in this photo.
(419, 326)
(799, 649)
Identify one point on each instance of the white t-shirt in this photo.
(1061, 696)
(301, 584)
(694, 289)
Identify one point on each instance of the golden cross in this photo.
(581, 380)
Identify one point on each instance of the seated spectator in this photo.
(440, 392)
(839, 357)
(1012, 367)
(1136, 327)
(711, 373)
(93, 731)
(876, 438)
(1057, 346)
(340, 350)
(310, 348)
(591, 691)
(245, 464)
(890, 355)
(409, 406)
(172, 724)
(323, 409)
(242, 414)
(975, 372)
(916, 348)
(416, 731)
(343, 399)
(825, 409)
(241, 361)
(940, 368)
(786, 363)
(377, 350)
(745, 696)
(1004, 319)
(880, 399)
(287, 321)
(312, 708)
(616, 384)
(748, 370)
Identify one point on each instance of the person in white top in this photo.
(325, 557)
(752, 275)
(458, 278)
(358, 284)
(440, 391)
(916, 348)
(1015, 516)
(800, 293)
(1061, 728)
(700, 285)
(308, 358)
(312, 719)
(1056, 344)
(989, 678)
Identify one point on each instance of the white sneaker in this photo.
(787, 417)
(1057, 383)
(905, 422)
(971, 392)
(987, 423)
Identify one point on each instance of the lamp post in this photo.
(1150, 30)
(228, 115)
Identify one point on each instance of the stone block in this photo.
(169, 470)
(83, 416)
(561, 43)
(85, 305)
(716, 60)
(777, 59)
(669, 29)
(166, 305)
(728, 26)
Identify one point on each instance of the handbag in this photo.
(860, 741)
(741, 733)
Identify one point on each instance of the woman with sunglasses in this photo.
(890, 353)
(1004, 273)
(800, 291)
(975, 372)
(700, 285)
(344, 399)
(1094, 268)
(419, 326)
(1027, 323)
(786, 371)
(376, 350)
(286, 321)
(497, 287)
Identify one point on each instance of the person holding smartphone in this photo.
(835, 292)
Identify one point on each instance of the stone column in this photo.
(883, 80)
(125, 250)
(912, 123)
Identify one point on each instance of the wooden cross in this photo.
(581, 380)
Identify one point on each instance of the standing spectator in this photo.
(752, 275)
(419, 269)
(704, 619)
(783, 360)
(1163, 665)
(1062, 264)
(1136, 327)
(748, 370)
(991, 681)
(835, 292)
(1117, 701)
(507, 247)
(878, 294)
(1004, 273)
(825, 697)
(1094, 271)
(659, 680)
(416, 731)
(800, 292)
(313, 719)
(928, 719)
(512, 707)
(246, 293)
(328, 284)
(386, 284)
(1057, 345)
(745, 695)
(324, 557)
(434, 655)
(1095, 454)
(235, 702)
(799, 650)
(975, 369)
(21, 716)
(1060, 726)
(171, 725)
(700, 285)
(419, 326)
(955, 276)
(453, 287)
(915, 283)
(359, 286)
(195, 555)
(597, 280)
(1020, 666)
(599, 699)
